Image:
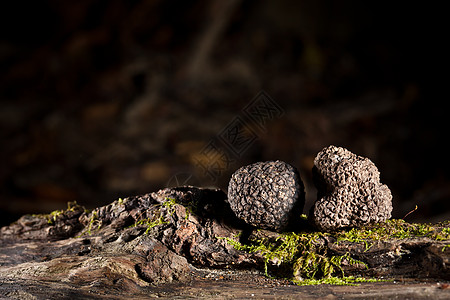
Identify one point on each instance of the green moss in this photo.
(306, 260)
(443, 235)
(160, 214)
(345, 280)
(301, 256)
(53, 216)
(94, 223)
(393, 229)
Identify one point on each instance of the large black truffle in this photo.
(267, 195)
(349, 191)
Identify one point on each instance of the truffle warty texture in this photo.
(349, 191)
(267, 195)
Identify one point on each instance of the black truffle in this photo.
(349, 191)
(267, 195)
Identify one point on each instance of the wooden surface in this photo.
(108, 253)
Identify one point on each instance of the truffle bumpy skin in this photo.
(349, 191)
(267, 195)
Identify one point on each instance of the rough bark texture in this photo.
(166, 244)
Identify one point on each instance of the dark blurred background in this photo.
(107, 99)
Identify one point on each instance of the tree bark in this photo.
(172, 242)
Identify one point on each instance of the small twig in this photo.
(410, 212)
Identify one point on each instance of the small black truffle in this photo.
(267, 195)
(349, 191)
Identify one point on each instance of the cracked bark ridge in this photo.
(349, 191)
(114, 245)
(268, 195)
(110, 254)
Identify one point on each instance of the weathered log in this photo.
(167, 241)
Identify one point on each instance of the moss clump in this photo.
(345, 280)
(302, 257)
(94, 223)
(159, 214)
(54, 215)
(305, 259)
(393, 229)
